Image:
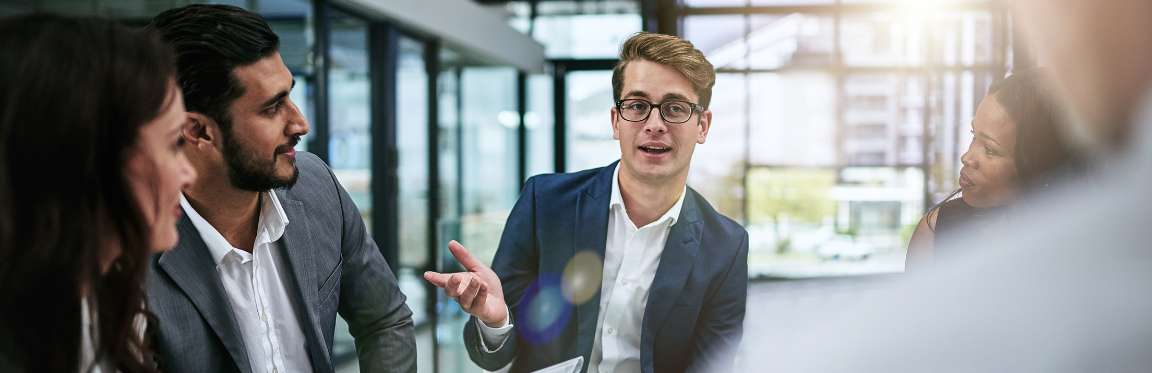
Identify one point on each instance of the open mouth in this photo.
(289, 147)
(655, 149)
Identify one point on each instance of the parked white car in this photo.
(844, 247)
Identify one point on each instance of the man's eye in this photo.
(274, 109)
(677, 108)
(638, 106)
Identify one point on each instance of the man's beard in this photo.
(246, 171)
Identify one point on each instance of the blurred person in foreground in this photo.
(271, 247)
(90, 178)
(1068, 290)
(1016, 149)
(669, 293)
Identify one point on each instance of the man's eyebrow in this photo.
(273, 100)
(279, 95)
(637, 94)
(675, 96)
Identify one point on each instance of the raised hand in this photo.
(477, 290)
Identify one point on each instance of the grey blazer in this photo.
(335, 267)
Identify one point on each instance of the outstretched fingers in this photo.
(480, 298)
(464, 257)
(468, 294)
(438, 279)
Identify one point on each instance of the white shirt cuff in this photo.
(494, 336)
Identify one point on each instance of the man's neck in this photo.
(646, 201)
(234, 213)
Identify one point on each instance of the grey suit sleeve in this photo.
(371, 301)
(721, 324)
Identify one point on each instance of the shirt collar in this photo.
(272, 223)
(618, 200)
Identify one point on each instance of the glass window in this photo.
(350, 110)
(489, 162)
(717, 170)
(585, 36)
(893, 39)
(412, 173)
(841, 155)
(720, 38)
(792, 119)
(541, 126)
(478, 179)
(590, 142)
(962, 38)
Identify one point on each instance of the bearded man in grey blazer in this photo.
(271, 247)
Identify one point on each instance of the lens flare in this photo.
(544, 311)
(582, 277)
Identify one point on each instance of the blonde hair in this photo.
(673, 52)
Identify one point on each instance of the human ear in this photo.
(615, 124)
(199, 130)
(704, 124)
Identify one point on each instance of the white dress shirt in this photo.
(631, 256)
(257, 287)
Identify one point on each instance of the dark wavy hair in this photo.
(1042, 159)
(74, 93)
(210, 42)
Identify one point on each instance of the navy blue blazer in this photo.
(695, 313)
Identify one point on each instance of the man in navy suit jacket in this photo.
(623, 266)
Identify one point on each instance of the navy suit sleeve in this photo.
(721, 323)
(370, 299)
(517, 264)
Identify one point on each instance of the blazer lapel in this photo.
(675, 265)
(298, 246)
(192, 268)
(591, 235)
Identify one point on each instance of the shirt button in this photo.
(624, 282)
(264, 317)
(274, 370)
(609, 330)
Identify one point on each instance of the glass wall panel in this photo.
(962, 38)
(350, 109)
(478, 178)
(842, 155)
(790, 2)
(490, 185)
(792, 119)
(350, 141)
(412, 171)
(883, 119)
(714, 3)
(717, 170)
(590, 142)
(720, 38)
(894, 39)
(797, 39)
(541, 126)
(586, 35)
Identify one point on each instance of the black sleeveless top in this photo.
(954, 219)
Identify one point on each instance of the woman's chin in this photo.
(164, 241)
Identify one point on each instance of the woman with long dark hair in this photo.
(90, 180)
(1015, 149)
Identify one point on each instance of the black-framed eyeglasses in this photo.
(673, 111)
